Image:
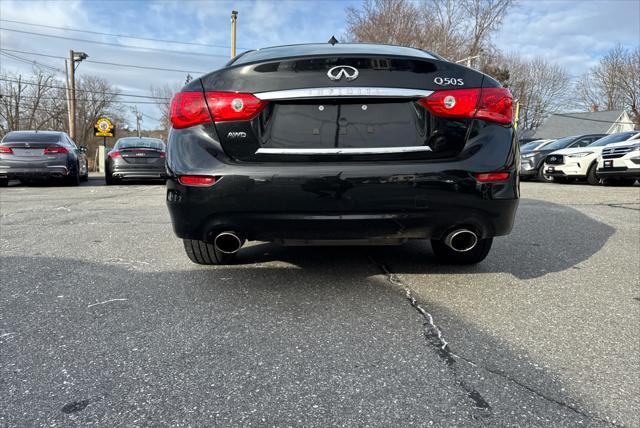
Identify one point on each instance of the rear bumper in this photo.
(350, 199)
(18, 172)
(121, 169)
(139, 173)
(368, 206)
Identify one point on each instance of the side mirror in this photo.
(83, 149)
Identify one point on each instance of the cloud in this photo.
(571, 33)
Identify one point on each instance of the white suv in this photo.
(569, 164)
(620, 163)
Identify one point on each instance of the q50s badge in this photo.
(237, 135)
(446, 81)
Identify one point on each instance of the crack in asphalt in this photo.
(623, 207)
(436, 339)
(610, 205)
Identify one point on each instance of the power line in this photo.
(32, 62)
(83, 90)
(113, 44)
(119, 35)
(105, 63)
(151, 117)
(55, 112)
(83, 99)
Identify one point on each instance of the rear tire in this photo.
(204, 253)
(447, 255)
(73, 179)
(85, 177)
(4, 182)
(109, 179)
(592, 177)
(542, 177)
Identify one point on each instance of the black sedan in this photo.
(342, 144)
(42, 155)
(532, 161)
(137, 158)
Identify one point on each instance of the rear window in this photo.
(322, 49)
(561, 143)
(151, 143)
(613, 138)
(30, 137)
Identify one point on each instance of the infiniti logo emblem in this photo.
(340, 71)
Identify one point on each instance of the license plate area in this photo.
(359, 124)
(28, 152)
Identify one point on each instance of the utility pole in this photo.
(72, 90)
(74, 57)
(234, 18)
(138, 119)
(68, 93)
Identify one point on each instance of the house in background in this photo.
(597, 122)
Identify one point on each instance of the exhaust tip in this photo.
(461, 240)
(227, 242)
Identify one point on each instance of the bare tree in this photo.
(614, 83)
(453, 28)
(31, 103)
(39, 102)
(395, 22)
(540, 86)
(163, 95)
(95, 97)
(486, 17)
(630, 83)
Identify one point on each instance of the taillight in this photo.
(4, 149)
(496, 105)
(162, 154)
(189, 109)
(492, 104)
(485, 177)
(52, 150)
(194, 108)
(114, 154)
(225, 106)
(198, 180)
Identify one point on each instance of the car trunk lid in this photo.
(142, 156)
(344, 108)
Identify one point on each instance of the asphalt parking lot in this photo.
(104, 321)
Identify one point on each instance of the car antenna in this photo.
(333, 40)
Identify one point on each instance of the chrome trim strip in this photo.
(345, 151)
(349, 92)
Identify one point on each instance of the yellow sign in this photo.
(104, 128)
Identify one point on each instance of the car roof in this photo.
(36, 132)
(139, 138)
(286, 51)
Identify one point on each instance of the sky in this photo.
(572, 33)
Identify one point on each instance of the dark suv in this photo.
(342, 144)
